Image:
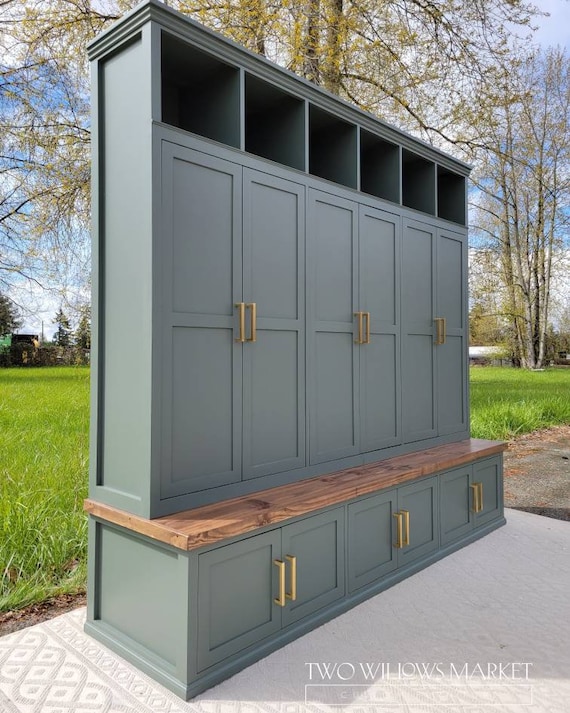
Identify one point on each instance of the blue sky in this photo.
(554, 30)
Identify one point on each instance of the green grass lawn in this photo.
(44, 415)
(509, 402)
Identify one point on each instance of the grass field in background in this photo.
(44, 415)
(509, 402)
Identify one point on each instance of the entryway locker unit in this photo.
(234, 283)
(353, 325)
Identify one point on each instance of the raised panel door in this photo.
(371, 553)
(451, 355)
(274, 365)
(418, 362)
(202, 279)
(333, 359)
(419, 499)
(317, 543)
(237, 585)
(379, 298)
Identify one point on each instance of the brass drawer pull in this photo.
(406, 517)
(252, 307)
(477, 497)
(292, 595)
(400, 530)
(440, 330)
(360, 316)
(367, 339)
(280, 600)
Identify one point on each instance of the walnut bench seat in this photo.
(213, 523)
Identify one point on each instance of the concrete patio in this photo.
(486, 629)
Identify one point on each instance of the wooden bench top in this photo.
(209, 524)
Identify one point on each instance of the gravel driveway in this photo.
(537, 473)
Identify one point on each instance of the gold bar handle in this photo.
(252, 306)
(406, 518)
(475, 497)
(480, 496)
(367, 338)
(440, 330)
(241, 315)
(292, 595)
(280, 600)
(360, 316)
(400, 530)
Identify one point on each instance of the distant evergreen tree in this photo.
(62, 336)
(83, 333)
(8, 316)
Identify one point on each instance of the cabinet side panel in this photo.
(125, 271)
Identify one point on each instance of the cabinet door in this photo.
(333, 356)
(418, 363)
(201, 281)
(274, 366)
(317, 543)
(452, 355)
(371, 552)
(420, 500)
(456, 504)
(379, 288)
(490, 474)
(237, 585)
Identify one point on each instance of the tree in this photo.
(83, 332)
(8, 316)
(523, 210)
(62, 336)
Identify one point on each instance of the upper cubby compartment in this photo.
(379, 167)
(418, 182)
(200, 93)
(450, 195)
(274, 123)
(332, 148)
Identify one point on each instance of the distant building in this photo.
(488, 356)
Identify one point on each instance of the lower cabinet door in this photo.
(371, 552)
(313, 551)
(456, 504)
(419, 501)
(488, 473)
(237, 585)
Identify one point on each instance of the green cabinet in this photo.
(470, 497)
(252, 588)
(389, 530)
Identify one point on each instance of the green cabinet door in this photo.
(419, 419)
(452, 354)
(317, 544)
(274, 365)
(489, 473)
(333, 356)
(420, 501)
(379, 300)
(200, 257)
(371, 551)
(237, 585)
(456, 504)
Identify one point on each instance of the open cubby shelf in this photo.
(205, 95)
(274, 123)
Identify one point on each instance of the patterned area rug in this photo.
(485, 630)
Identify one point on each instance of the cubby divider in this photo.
(379, 167)
(200, 93)
(418, 182)
(274, 123)
(332, 147)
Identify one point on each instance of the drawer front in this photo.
(237, 585)
(490, 474)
